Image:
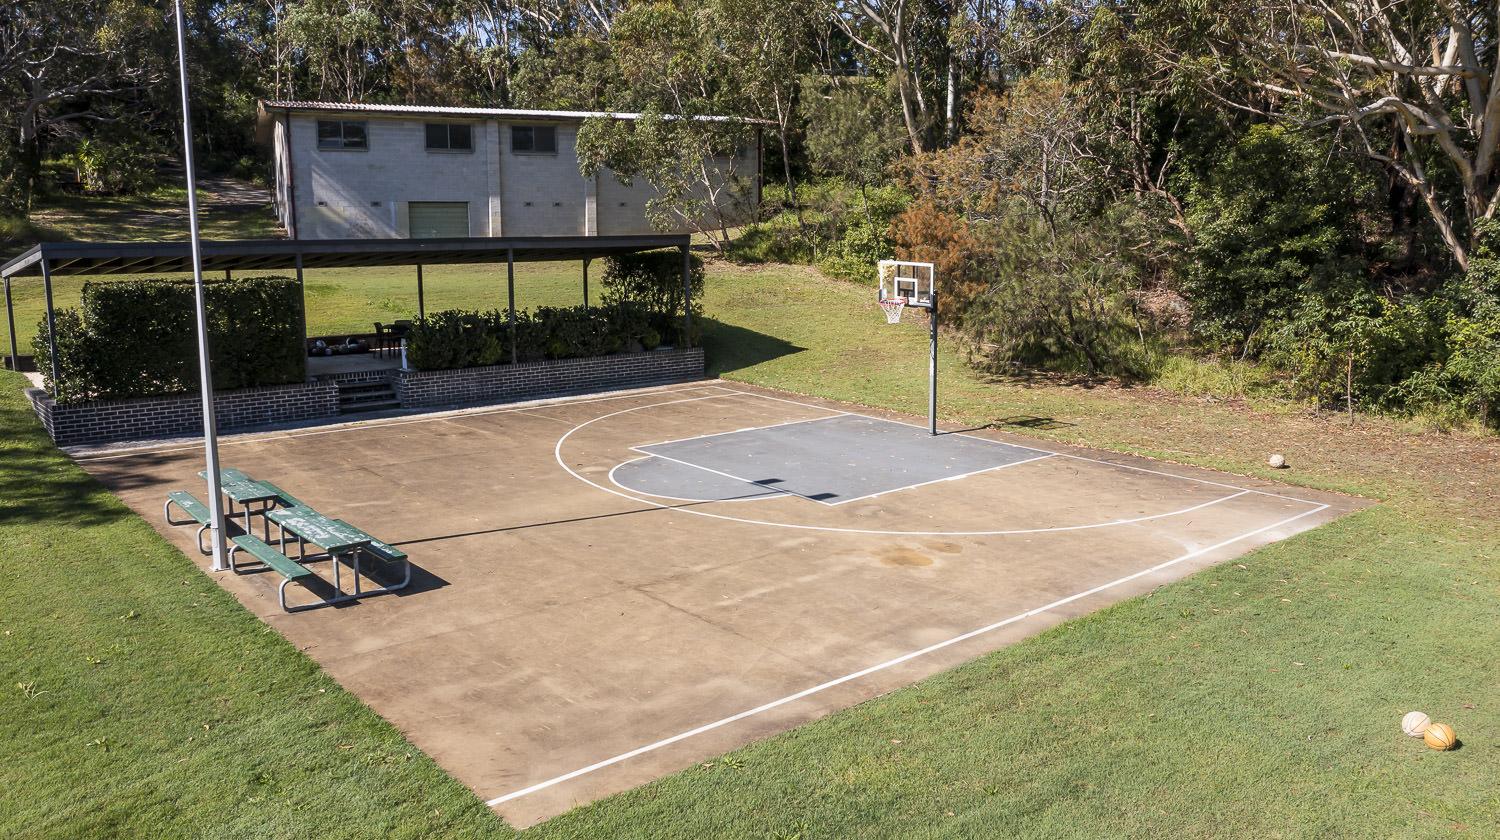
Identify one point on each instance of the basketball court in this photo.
(614, 588)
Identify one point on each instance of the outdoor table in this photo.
(239, 488)
(335, 538)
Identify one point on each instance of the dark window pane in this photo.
(437, 136)
(329, 135)
(546, 138)
(520, 138)
(354, 135)
(459, 137)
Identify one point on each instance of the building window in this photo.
(342, 134)
(533, 138)
(450, 137)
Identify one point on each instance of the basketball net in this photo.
(893, 308)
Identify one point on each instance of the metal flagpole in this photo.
(205, 369)
(932, 369)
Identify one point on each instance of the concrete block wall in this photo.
(358, 194)
(107, 421)
(551, 378)
(542, 193)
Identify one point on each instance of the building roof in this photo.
(463, 111)
(96, 258)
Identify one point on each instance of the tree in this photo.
(675, 67)
(853, 133)
(1411, 82)
(65, 63)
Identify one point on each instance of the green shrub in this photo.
(1275, 222)
(653, 282)
(124, 165)
(137, 338)
(458, 339)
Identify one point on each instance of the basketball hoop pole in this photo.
(932, 316)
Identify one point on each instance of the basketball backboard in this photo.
(909, 281)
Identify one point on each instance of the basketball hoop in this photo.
(893, 308)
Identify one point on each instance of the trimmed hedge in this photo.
(136, 338)
(458, 339)
(641, 308)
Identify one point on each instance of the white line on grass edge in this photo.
(890, 663)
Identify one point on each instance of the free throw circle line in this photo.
(557, 455)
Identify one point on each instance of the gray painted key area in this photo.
(830, 460)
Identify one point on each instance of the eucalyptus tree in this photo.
(1412, 83)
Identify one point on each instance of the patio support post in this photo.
(585, 284)
(687, 297)
(10, 318)
(302, 296)
(51, 329)
(228, 275)
(510, 282)
(421, 303)
(200, 301)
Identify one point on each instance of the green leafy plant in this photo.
(135, 338)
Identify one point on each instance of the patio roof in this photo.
(97, 258)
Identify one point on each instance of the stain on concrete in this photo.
(898, 555)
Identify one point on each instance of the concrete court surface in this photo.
(601, 599)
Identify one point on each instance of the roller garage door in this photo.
(432, 219)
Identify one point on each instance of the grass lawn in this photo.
(1259, 698)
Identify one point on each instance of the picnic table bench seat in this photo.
(289, 569)
(196, 510)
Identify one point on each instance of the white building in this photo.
(350, 170)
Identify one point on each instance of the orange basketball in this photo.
(1440, 736)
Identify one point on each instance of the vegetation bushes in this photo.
(842, 228)
(137, 338)
(459, 339)
(641, 306)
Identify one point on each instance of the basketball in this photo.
(1440, 736)
(1415, 723)
(1277, 461)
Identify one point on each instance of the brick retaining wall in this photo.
(552, 378)
(108, 421)
(164, 417)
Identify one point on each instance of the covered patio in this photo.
(102, 259)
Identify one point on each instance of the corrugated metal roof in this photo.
(463, 111)
(95, 258)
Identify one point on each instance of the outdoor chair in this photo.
(383, 335)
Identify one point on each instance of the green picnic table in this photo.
(238, 487)
(337, 539)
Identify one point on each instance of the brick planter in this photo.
(104, 421)
(552, 378)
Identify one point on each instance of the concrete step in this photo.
(366, 395)
(372, 405)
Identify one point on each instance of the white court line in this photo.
(641, 446)
(771, 493)
(557, 456)
(1041, 457)
(356, 425)
(645, 449)
(786, 492)
(1048, 451)
(890, 663)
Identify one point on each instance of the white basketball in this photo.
(1277, 461)
(1415, 723)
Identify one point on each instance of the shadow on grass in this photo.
(34, 487)
(1026, 421)
(730, 348)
